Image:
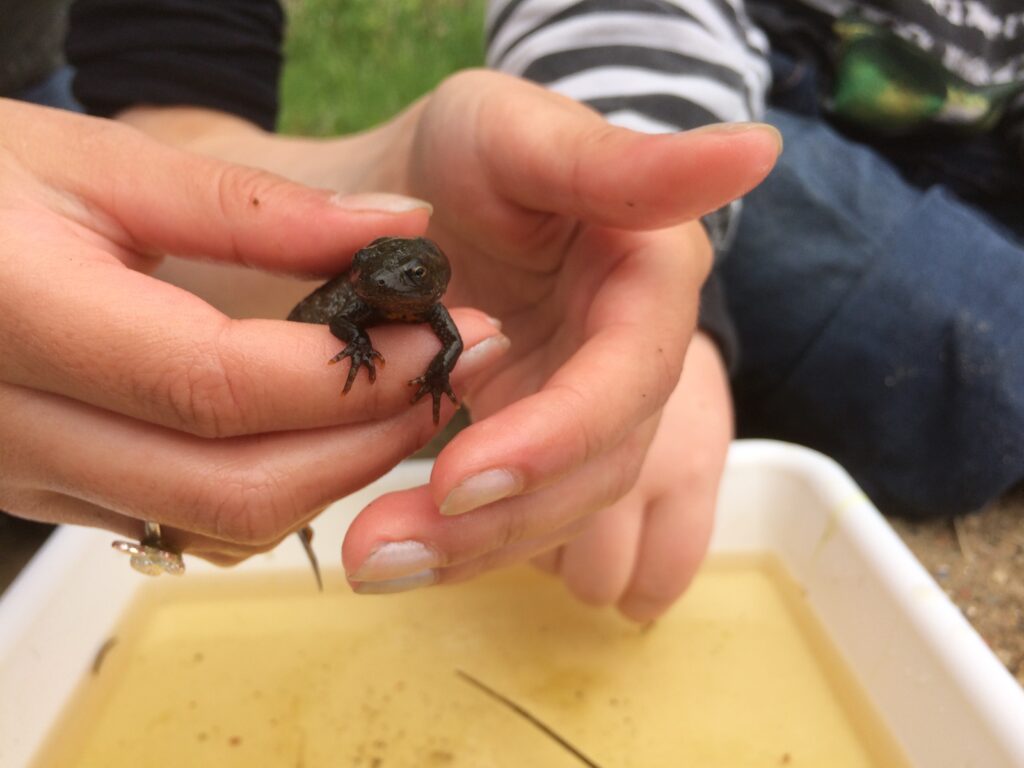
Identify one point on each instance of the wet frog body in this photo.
(392, 280)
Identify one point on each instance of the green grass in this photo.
(354, 63)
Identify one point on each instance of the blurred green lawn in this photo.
(353, 63)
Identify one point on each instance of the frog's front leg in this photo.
(358, 348)
(435, 379)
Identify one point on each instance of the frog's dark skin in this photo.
(392, 280)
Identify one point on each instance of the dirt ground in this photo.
(979, 561)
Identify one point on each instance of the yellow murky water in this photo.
(238, 671)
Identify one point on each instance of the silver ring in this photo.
(150, 555)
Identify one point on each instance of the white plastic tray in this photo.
(946, 698)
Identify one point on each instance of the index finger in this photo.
(103, 334)
(152, 198)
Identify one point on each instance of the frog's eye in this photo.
(417, 272)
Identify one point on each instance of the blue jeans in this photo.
(54, 91)
(880, 323)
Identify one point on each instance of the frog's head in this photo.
(400, 273)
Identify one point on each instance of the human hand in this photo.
(641, 552)
(123, 398)
(582, 239)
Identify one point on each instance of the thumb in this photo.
(579, 165)
(151, 197)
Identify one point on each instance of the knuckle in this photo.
(239, 190)
(585, 444)
(511, 529)
(199, 394)
(250, 507)
(237, 186)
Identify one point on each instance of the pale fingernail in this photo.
(485, 488)
(396, 559)
(728, 128)
(380, 201)
(494, 321)
(390, 586)
(481, 354)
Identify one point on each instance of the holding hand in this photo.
(641, 552)
(581, 237)
(123, 398)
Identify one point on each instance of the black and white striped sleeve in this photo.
(656, 66)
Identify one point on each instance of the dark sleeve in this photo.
(714, 319)
(221, 54)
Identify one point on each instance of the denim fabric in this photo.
(54, 91)
(880, 323)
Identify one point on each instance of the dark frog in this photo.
(392, 280)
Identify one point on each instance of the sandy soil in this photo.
(979, 561)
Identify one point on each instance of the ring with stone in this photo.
(150, 555)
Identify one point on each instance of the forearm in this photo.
(366, 162)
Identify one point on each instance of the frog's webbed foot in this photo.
(435, 382)
(362, 354)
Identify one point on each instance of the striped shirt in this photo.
(656, 66)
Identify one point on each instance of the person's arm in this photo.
(123, 398)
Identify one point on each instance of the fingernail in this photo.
(485, 488)
(726, 128)
(396, 559)
(481, 354)
(494, 321)
(390, 586)
(380, 202)
(778, 136)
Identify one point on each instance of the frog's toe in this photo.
(435, 387)
(421, 391)
(353, 371)
(359, 356)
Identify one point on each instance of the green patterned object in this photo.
(891, 86)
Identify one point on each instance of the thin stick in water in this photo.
(526, 715)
